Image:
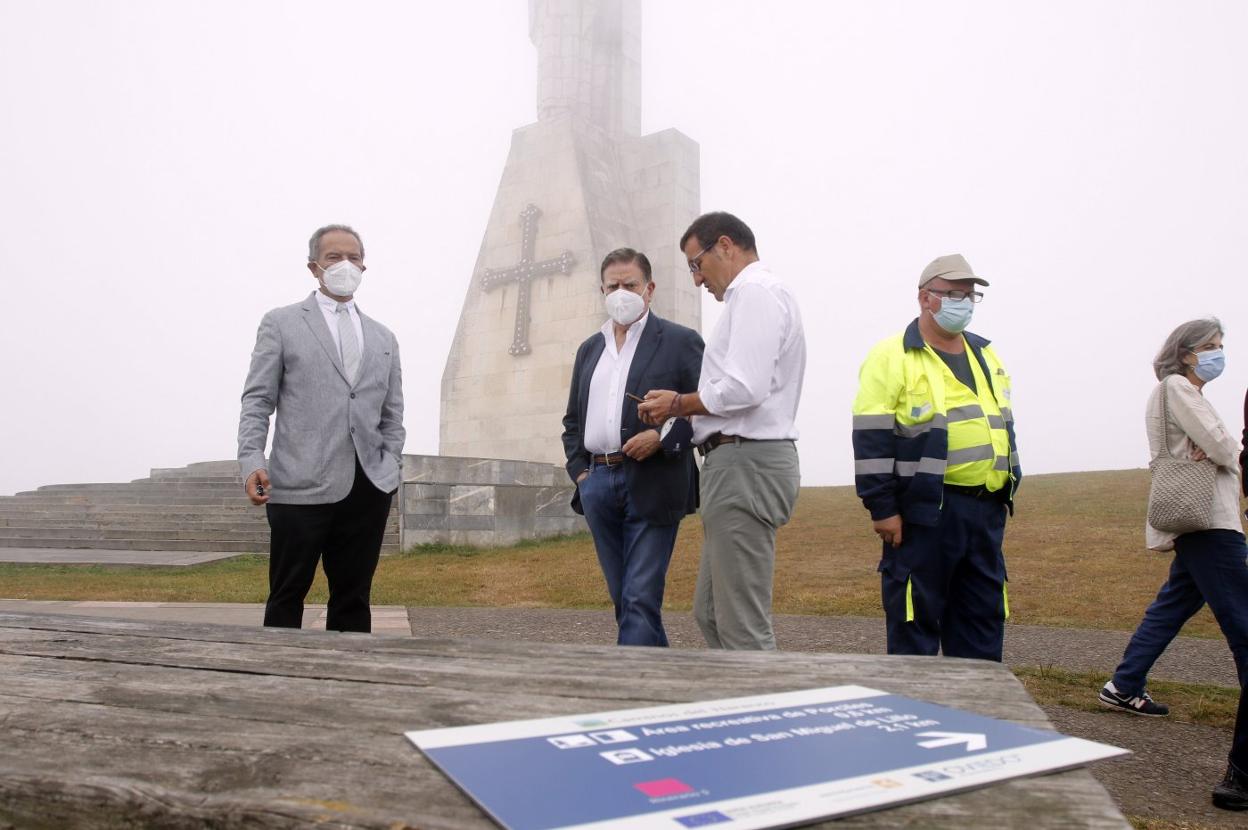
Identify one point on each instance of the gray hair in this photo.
(1182, 341)
(314, 244)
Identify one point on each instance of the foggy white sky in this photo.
(162, 165)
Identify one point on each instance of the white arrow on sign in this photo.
(973, 740)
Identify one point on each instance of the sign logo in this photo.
(703, 819)
(571, 741)
(972, 741)
(626, 756)
(663, 786)
(615, 736)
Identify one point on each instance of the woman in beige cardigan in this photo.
(1210, 566)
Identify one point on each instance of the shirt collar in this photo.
(750, 273)
(634, 329)
(330, 304)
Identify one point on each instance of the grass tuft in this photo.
(1188, 702)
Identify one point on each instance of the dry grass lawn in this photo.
(1075, 553)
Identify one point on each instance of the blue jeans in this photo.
(1209, 566)
(633, 553)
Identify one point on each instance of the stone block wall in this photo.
(483, 502)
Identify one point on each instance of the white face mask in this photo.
(624, 307)
(342, 278)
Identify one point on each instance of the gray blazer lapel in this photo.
(316, 322)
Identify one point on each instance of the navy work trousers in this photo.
(1209, 566)
(944, 588)
(633, 553)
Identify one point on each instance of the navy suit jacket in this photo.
(663, 488)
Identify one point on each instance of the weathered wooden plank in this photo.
(478, 666)
(115, 724)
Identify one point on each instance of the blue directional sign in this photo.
(766, 761)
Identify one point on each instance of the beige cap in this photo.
(951, 267)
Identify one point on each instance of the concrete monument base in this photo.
(483, 502)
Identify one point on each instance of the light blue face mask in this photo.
(954, 315)
(1209, 364)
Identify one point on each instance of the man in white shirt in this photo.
(634, 483)
(743, 424)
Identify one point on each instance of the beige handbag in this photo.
(1180, 496)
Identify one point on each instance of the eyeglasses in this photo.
(955, 294)
(695, 264)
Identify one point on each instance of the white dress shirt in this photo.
(606, 389)
(329, 308)
(754, 362)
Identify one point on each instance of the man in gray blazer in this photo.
(333, 376)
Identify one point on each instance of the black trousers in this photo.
(346, 536)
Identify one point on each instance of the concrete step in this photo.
(200, 525)
(200, 507)
(127, 498)
(204, 523)
(389, 546)
(142, 486)
(140, 544)
(15, 536)
(104, 534)
(236, 506)
(199, 468)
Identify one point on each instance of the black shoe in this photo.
(1136, 705)
(1232, 793)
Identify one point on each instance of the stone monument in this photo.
(579, 183)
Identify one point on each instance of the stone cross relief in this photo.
(523, 273)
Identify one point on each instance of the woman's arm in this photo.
(1201, 423)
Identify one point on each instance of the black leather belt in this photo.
(719, 439)
(976, 492)
(611, 459)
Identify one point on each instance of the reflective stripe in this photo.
(909, 601)
(1002, 463)
(966, 413)
(996, 422)
(1005, 595)
(983, 452)
(915, 430)
(873, 421)
(873, 466)
(1013, 459)
(932, 466)
(1007, 413)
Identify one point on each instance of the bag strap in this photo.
(1165, 422)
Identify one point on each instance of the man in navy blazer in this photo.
(634, 483)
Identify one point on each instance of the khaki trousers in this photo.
(748, 491)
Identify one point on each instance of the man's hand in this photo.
(584, 475)
(889, 530)
(656, 407)
(261, 478)
(1198, 454)
(642, 445)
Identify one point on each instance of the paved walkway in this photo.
(98, 556)
(1189, 659)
